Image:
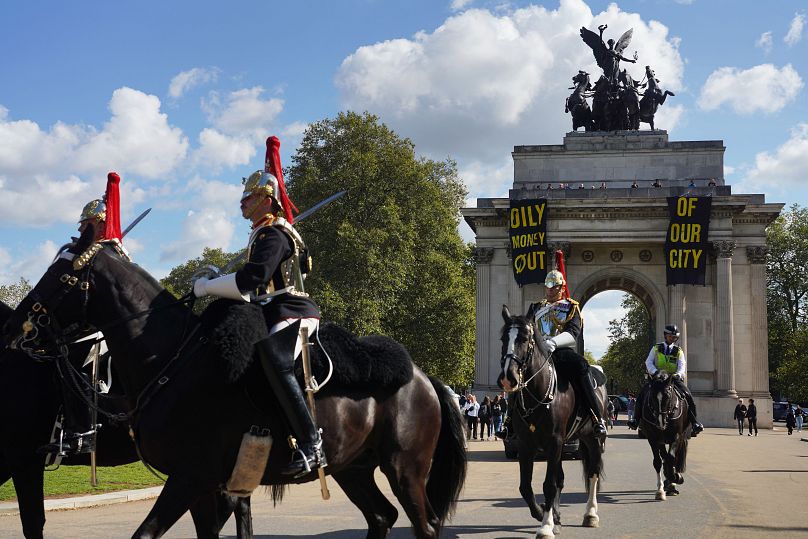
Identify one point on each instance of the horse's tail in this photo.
(448, 471)
(592, 461)
(681, 455)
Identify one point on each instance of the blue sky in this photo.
(178, 96)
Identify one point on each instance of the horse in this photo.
(30, 398)
(652, 98)
(189, 412)
(631, 100)
(576, 103)
(664, 421)
(545, 412)
(600, 100)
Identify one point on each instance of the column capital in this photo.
(756, 254)
(563, 246)
(724, 248)
(483, 255)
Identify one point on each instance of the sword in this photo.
(236, 261)
(304, 332)
(135, 222)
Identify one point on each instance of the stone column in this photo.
(756, 255)
(724, 333)
(514, 290)
(483, 257)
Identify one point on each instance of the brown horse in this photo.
(664, 421)
(545, 412)
(189, 419)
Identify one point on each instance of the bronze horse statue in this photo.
(576, 103)
(189, 412)
(665, 424)
(652, 98)
(30, 398)
(545, 412)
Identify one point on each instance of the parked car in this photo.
(779, 410)
(568, 452)
(620, 402)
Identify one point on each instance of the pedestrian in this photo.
(630, 407)
(616, 402)
(740, 415)
(751, 415)
(799, 414)
(472, 409)
(497, 413)
(610, 413)
(486, 419)
(791, 419)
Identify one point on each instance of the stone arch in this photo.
(627, 280)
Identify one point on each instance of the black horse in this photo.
(189, 419)
(30, 398)
(652, 98)
(664, 421)
(576, 103)
(545, 411)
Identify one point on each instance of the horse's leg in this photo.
(361, 488)
(242, 512)
(407, 472)
(525, 481)
(660, 491)
(27, 472)
(210, 514)
(177, 497)
(669, 462)
(549, 527)
(593, 463)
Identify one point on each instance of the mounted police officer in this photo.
(558, 320)
(667, 356)
(277, 260)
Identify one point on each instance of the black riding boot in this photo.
(77, 435)
(696, 427)
(277, 359)
(592, 401)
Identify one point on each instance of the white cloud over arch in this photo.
(762, 88)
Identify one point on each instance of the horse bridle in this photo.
(521, 364)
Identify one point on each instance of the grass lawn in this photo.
(75, 480)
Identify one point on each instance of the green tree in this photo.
(179, 283)
(590, 357)
(787, 303)
(630, 336)
(13, 294)
(387, 256)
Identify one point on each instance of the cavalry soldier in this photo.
(558, 320)
(277, 260)
(78, 432)
(667, 356)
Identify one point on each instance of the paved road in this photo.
(734, 487)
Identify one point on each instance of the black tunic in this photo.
(272, 246)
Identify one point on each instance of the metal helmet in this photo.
(95, 209)
(260, 182)
(554, 278)
(671, 329)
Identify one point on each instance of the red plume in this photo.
(559, 259)
(272, 164)
(112, 227)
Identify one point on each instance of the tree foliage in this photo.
(387, 256)
(179, 282)
(12, 294)
(631, 339)
(787, 303)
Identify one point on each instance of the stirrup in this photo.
(70, 444)
(695, 428)
(600, 427)
(303, 464)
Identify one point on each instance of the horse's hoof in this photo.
(591, 521)
(660, 496)
(672, 492)
(680, 479)
(545, 533)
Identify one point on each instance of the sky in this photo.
(178, 97)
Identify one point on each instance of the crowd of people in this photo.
(634, 185)
(483, 419)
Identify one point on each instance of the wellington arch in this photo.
(613, 236)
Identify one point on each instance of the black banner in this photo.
(686, 243)
(528, 235)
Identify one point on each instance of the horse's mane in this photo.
(130, 271)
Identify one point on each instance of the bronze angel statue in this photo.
(609, 54)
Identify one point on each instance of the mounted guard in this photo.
(558, 321)
(277, 261)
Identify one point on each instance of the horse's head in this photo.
(582, 78)
(518, 350)
(663, 400)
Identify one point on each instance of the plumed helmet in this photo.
(554, 278)
(671, 329)
(94, 209)
(260, 182)
(558, 275)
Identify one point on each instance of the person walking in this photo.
(610, 414)
(486, 419)
(791, 419)
(739, 415)
(630, 407)
(497, 414)
(751, 415)
(472, 409)
(799, 415)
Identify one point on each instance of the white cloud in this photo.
(763, 88)
(728, 170)
(217, 150)
(597, 313)
(794, 34)
(206, 228)
(192, 78)
(457, 5)
(783, 170)
(243, 112)
(32, 266)
(482, 82)
(765, 42)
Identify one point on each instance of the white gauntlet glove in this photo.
(223, 287)
(200, 287)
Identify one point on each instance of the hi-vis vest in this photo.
(667, 362)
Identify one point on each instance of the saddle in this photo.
(376, 361)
